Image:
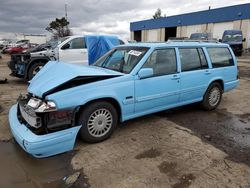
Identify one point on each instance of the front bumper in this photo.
(41, 145)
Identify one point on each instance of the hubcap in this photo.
(214, 96)
(100, 122)
(36, 70)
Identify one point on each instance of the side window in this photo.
(192, 59)
(77, 43)
(162, 62)
(220, 57)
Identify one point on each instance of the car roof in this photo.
(177, 44)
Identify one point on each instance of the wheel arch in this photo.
(218, 80)
(111, 100)
(32, 62)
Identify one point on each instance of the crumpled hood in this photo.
(55, 73)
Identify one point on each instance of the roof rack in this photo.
(189, 40)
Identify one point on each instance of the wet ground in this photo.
(179, 148)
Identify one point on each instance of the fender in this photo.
(216, 79)
(44, 59)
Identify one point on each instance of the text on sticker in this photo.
(134, 52)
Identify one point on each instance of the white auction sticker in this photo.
(134, 52)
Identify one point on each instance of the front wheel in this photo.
(98, 121)
(34, 69)
(212, 97)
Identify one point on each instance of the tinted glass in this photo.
(77, 43)
(162, 62)
(190, 59)
(220, 57)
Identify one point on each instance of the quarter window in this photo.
(192, 59)
(162, 62)
(220, 57)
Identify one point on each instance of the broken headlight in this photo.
(41, 106)
(47, 106)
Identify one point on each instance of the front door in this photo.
(76, 53)
(162, 89)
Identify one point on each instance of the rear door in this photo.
(77, 52)
(195, 74)
(162, 89)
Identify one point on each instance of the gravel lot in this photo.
(179, 148)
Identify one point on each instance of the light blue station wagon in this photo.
(127, 82)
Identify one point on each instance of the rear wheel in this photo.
(98, 121)
(34, 69)
(212, 96)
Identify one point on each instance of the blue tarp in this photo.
(99, 45)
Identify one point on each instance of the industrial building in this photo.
(33, 38)
(214, 21)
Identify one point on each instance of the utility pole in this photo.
(66, 13)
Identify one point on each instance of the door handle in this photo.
(175, 77)
(207, 72)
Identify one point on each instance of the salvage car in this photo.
(20, 48)
(73, 49)
(127, 82)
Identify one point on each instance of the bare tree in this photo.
(158, 14)
(59, 27)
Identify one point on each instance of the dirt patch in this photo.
(224, 130)
(1, 109)
(244, 72)
(168, 168)
(151, 153)
(184, 181)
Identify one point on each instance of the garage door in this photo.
(193, 29)
(152, 35)
(219, 29)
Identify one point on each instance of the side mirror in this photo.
(244, 40)
(65, 46)
(145, 73)
(220, 40)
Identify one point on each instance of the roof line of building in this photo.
(222, 14)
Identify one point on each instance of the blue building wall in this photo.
(231, 13)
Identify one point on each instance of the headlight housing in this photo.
(41, 106)
(47, 106)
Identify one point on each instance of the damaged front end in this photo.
(18, 64)
(40, 128)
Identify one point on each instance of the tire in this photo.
(98, 121)
(34, 69)
(212, 97)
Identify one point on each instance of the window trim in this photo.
(149, 56)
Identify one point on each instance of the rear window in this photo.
(220, 57)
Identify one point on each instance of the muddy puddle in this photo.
(23, 171)
(226, 131)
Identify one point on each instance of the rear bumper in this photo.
(231, 85)
(41, 145)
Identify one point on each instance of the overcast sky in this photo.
(92, 16)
